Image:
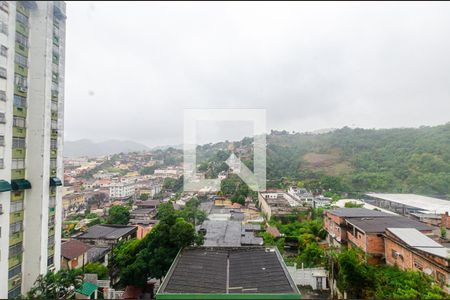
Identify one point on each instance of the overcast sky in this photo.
(131, 68)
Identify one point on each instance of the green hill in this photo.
(413, 160)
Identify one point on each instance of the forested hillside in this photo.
(352, 160)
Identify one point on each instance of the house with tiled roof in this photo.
(74, 254)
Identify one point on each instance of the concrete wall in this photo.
(305, 277)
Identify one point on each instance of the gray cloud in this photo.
(133, 67)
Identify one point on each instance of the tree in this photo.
(311, 256)
(192, 213)
(91, 216)
(118, 215)
(97, 268)
(352, 204)
(154, 254)
(144, 197)
(360, 280)
(60, 285)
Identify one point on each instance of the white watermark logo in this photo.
(255, 180)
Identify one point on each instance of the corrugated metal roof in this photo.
(357, 212)
(415, 239)
(428, 204)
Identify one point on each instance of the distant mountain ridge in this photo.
(87, 147)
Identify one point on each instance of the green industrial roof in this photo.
(55, 181)
(4, 186)
(87, 288)
(20, 184)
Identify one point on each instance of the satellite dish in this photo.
(428, 271)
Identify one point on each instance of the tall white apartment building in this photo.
(32, 43)
(121, 190)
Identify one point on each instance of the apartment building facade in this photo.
(32, 44)
(121, 190)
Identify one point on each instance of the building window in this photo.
(54, 124)
(20, 101)
(14, 271)
(19, 122)
(3, 73)
(51, 240)
(2, 118)
(2, 164)
(22, 18)
(4, 51)
(4, 5)
(21, 82)
(16, 206)
(54, 105)
(15, 227)
(21, 39)
(55, 76)
(18, 142)
(15, 249)
(50, 261)
(55, 58)
(53, 144)
(2, 140)
(4, 27)
(52, 202)
(21, 60)
(440, 278)
(52, 163)
(13, 294)
(18, 164)
(418, 265)
(2, 96)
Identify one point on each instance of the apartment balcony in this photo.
(20, 111)
(51, 211)
(16, 238)
(17, 174)
(54, 133)
(18, 153)
(51, 231)
(16, 196)
(13, 282)
(22, 28)
(54, 115)
(21, 8)
(55, 59)
(15, 260)
(20, 90)
(55, 77)
(21, 49)
(59, 9)
(22, 70)
(51, 250)
(55, 95)
(16, 216)
(19, 132)
(53, 172)
(53, 153)
(56, 40)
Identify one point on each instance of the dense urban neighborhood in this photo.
(127, 219)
